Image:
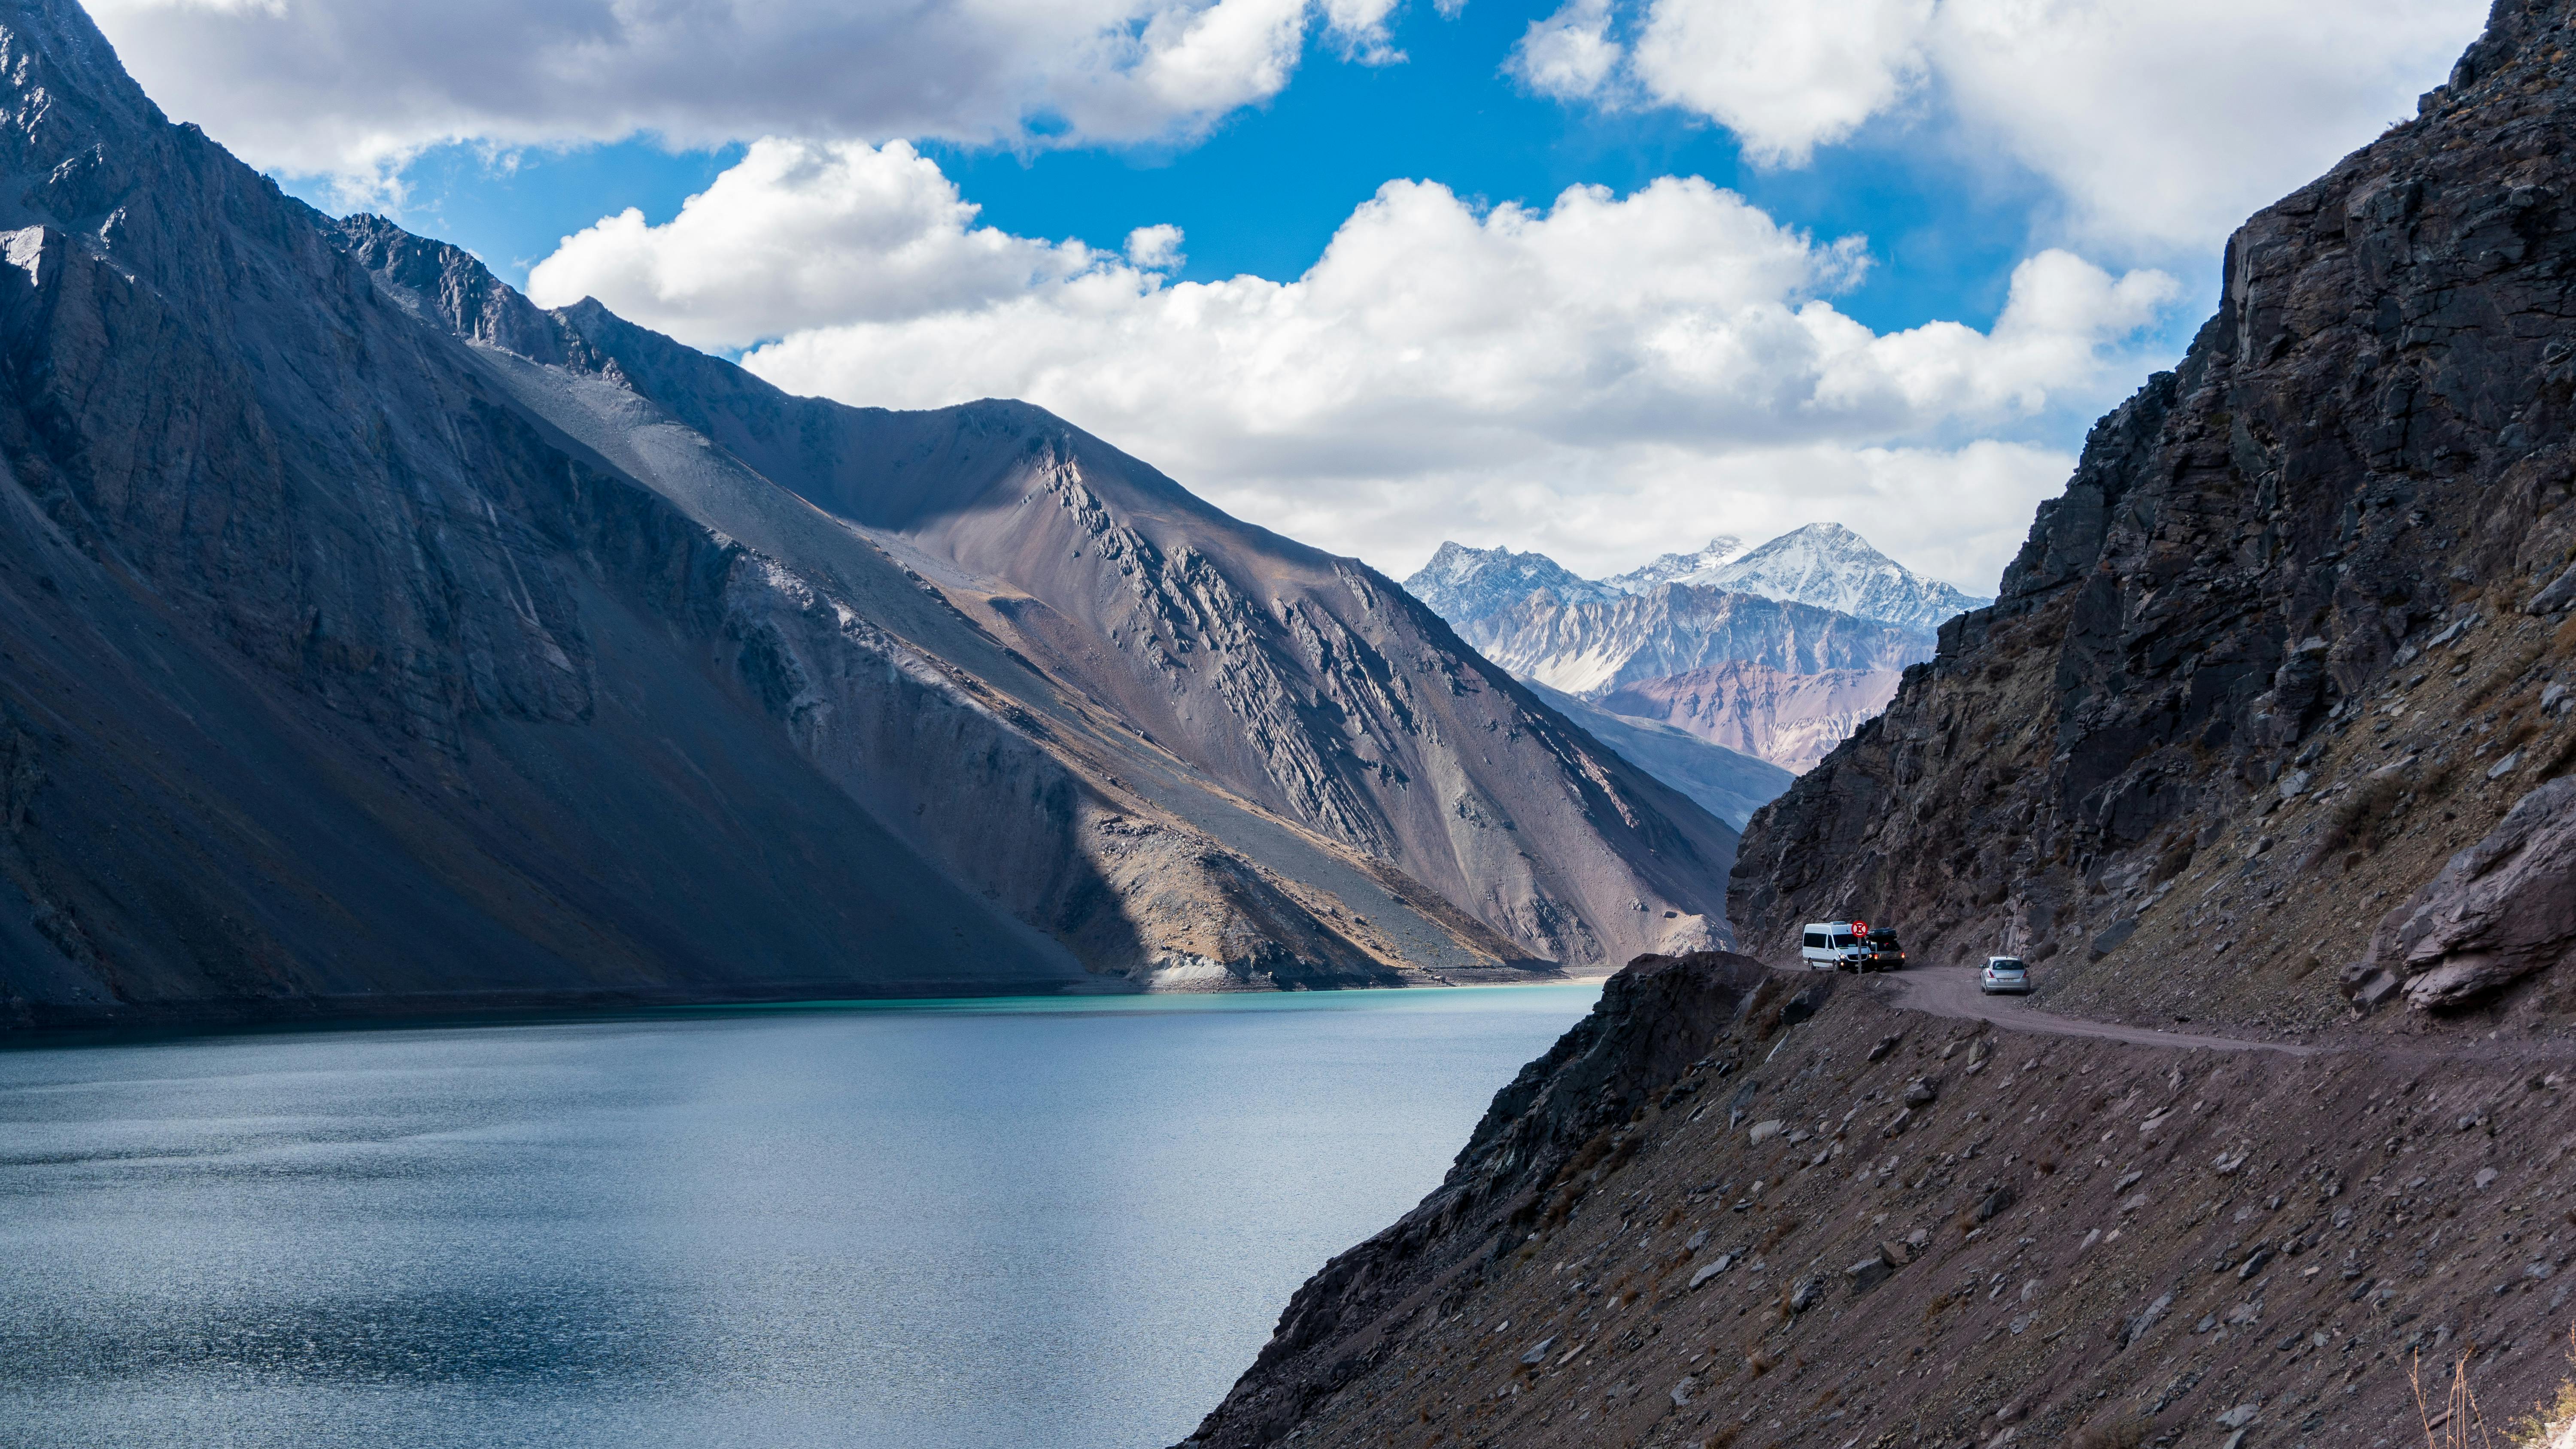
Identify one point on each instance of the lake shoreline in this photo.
(28, 1026)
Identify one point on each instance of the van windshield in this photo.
(1842, 940)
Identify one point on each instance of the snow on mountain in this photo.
(1463, 585)
(1831, 567)
(1698, 567)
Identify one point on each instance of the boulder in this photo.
(1868, 1273)
(2499, 911)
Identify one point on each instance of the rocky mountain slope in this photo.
(377, 642)
(2294, 636)
(1743, 1209)
(1791, 720)
(1730, 784)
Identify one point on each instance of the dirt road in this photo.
(1952, 991)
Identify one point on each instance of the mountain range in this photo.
(378, 641)
(1778, 652)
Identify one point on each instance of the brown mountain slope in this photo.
(2268, 661)
(1792, 720)
(1210, 665)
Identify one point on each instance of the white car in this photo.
(2002, 974)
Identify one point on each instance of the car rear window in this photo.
(2008, 965)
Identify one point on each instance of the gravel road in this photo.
(1952, 991)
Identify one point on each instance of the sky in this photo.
(1601, 278)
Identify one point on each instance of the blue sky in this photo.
(1877, 262)
(1267, 189)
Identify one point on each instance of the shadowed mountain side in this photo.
(1731, 785)
(338, 680)
(1188, 648)
(1791, 720)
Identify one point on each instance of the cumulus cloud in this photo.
(2162, 123)
(1570, 54)
(1784, 75)
(354, 87)
(1600, 375)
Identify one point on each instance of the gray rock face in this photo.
(2369, 443)
(2501, 910)
(374, 640)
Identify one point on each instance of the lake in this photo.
(1057, 1223)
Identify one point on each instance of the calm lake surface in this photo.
(1055, 1224)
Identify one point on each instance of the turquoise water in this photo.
(1060, 1223)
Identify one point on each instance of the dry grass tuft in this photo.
(2458, 1424)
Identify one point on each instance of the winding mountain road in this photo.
(1952, 991)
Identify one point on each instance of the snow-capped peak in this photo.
(1681, 568)
(1463, 584)
(1832, 567)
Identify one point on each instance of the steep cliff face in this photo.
(377, 641)
(2287, 641)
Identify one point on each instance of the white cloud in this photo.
(2166, 124)
(1570, 54)
(354, 87)
(799, 231)
(1785, 75)
(2162, 123)
(1598, 377)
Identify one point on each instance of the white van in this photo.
(1832, 946)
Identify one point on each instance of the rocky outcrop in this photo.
(2500, 911)
(2275, 625)
(1792, 720)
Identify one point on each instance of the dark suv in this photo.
(1885, 953)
